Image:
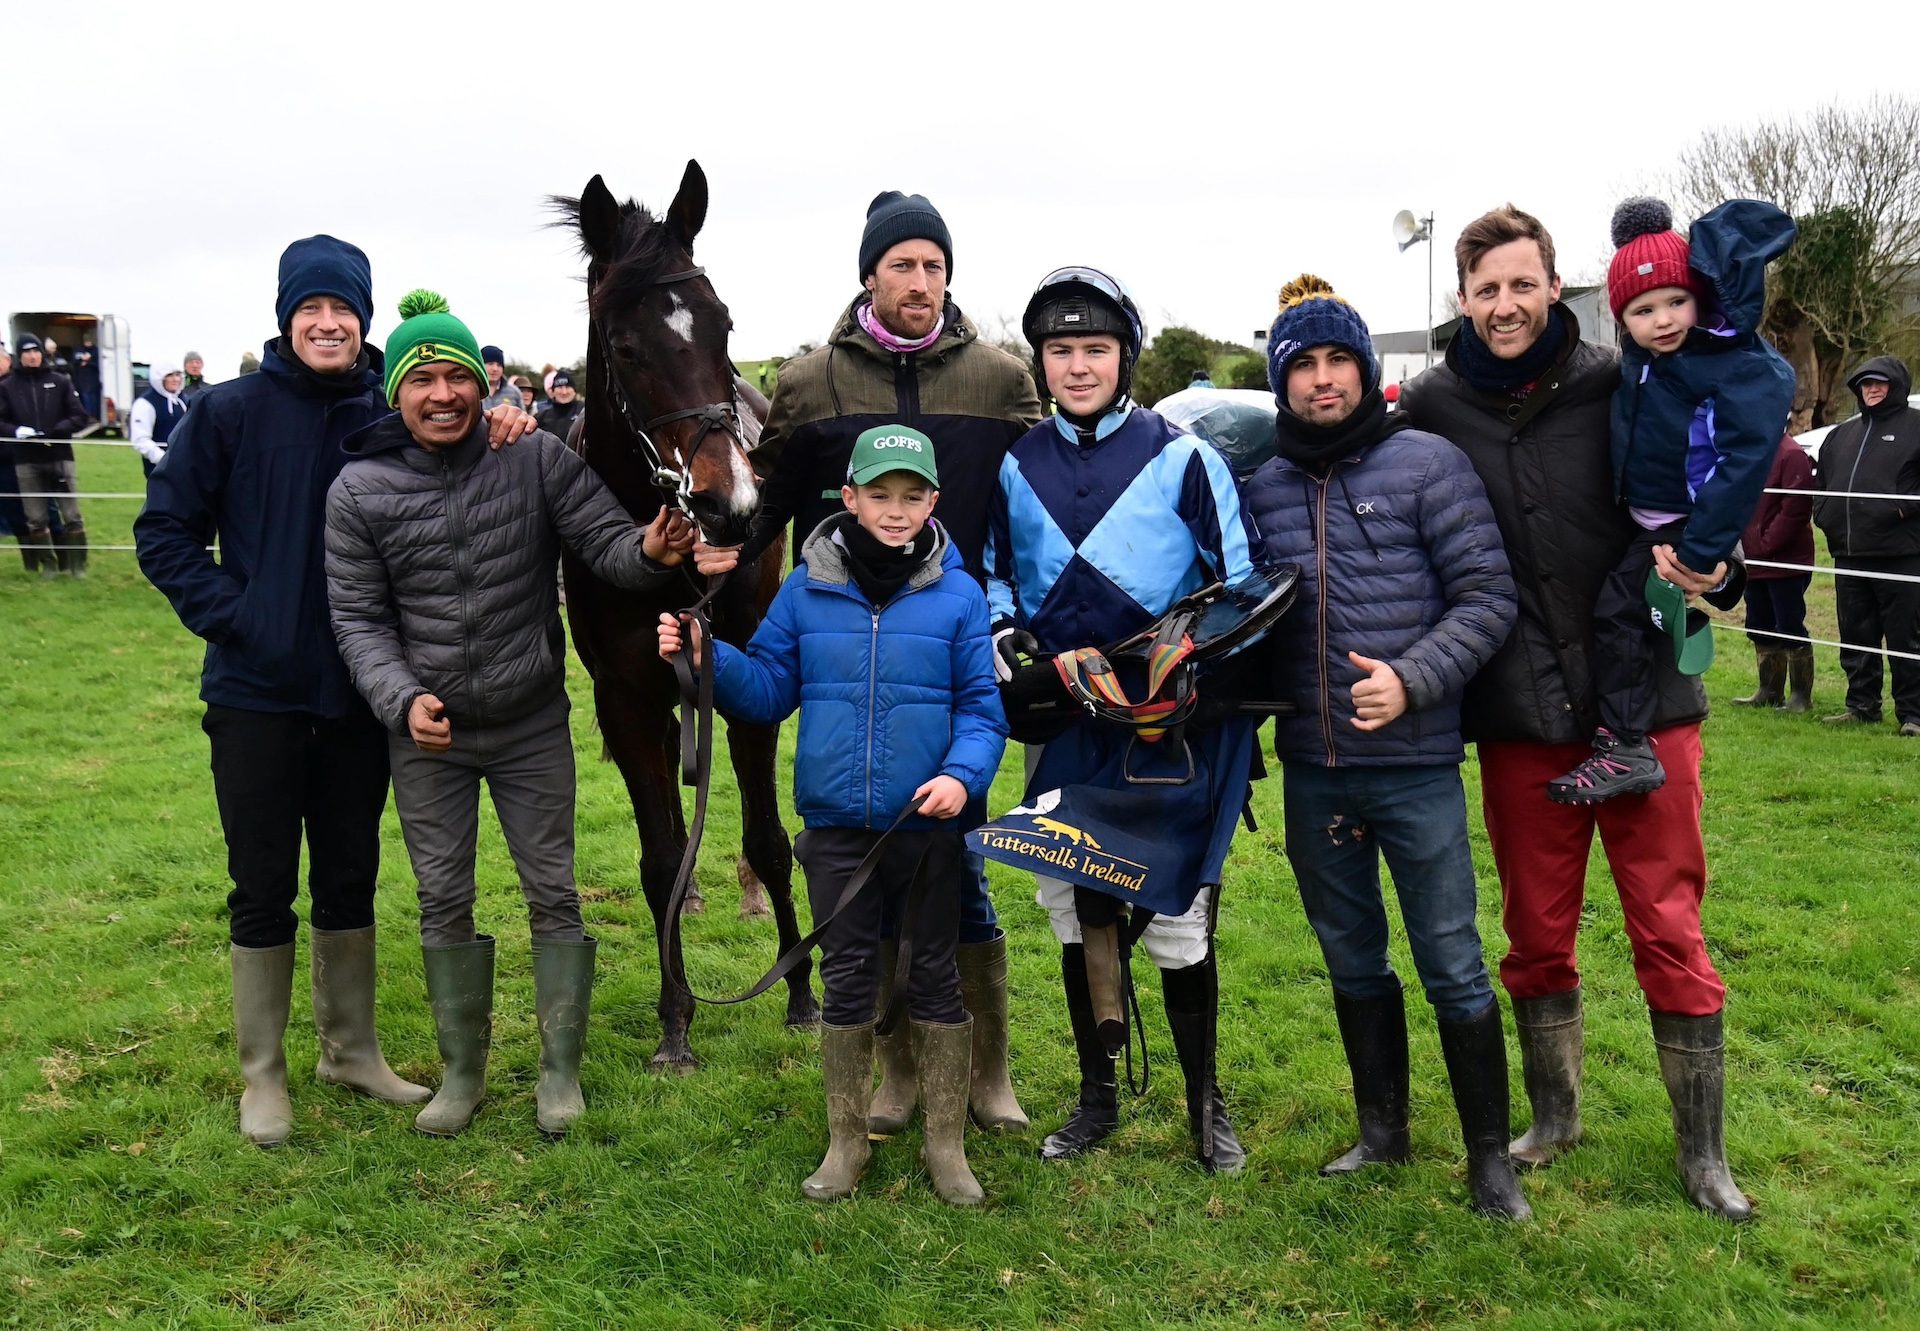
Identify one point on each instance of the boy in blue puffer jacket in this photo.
(1697, 417)
(879, 637)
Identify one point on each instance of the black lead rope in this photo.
(1137, 922)
(696, 770)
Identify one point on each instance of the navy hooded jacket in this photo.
(1694, 431)
(250, 465)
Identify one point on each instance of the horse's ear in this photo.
(689, 211)
(599, 219)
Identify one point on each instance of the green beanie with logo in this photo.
(429, 332)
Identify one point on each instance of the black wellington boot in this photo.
(1098, 1113)
(1476, 1053)
(1374, 1031)
(1193, 1013)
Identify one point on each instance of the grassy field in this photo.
(128, 1198)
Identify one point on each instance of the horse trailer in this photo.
(112, 345)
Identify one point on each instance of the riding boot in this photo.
(1374, 1031)
(460, 989)
(262, 993)
(562, 998)
(1106, 985)
(1098, 1113)
(48, 559)
(1193, 1014)
(983, 990)
(1771, 663)
(1476, 1053)
(846, 1062)
(894, 1102)
(1799, 680)
(343, 1018)
(74, 560)
(1552, 1033)
(1693, 1065)
(944, 1056)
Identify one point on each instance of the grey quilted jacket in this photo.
(440, 568)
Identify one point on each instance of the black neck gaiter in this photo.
(881, 570)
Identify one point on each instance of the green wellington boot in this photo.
(460, 988)
(846, 1060)
(983, 989)
(1693, 1065)
(262, 993)
(343, 976)
(1771, 664)
(562, 998)
(944, 1056)
(1553, 1037)
(894, 1102)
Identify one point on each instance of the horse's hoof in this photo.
(753, 893)
(803, 1013)
(693, 903)
(678, 1062)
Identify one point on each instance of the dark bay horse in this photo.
(669, 422)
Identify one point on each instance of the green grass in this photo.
(127, 1197)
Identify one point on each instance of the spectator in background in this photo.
(39, 411)
(249, 364)
(193, 370)
(525, 385)
(498, 389)
(1875, 453)
(156, 412)
(563, 404)
(1781, 533)
(1200, 379)
(86, 375)
(13, 517)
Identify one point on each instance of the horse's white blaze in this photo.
(746, 493)
(681, 320)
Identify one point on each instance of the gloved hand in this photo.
(1013, 648)
(25, 432)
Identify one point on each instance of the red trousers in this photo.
(1653, 845)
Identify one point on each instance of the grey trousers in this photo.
(43, 478)
(528, 767)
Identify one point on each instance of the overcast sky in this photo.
(160, 159)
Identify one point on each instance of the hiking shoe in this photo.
(1616, 768)
(1910, 729)
(1850, 718)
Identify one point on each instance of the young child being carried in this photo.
(879, 637)
(1700, 409)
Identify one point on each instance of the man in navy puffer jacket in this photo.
(1405, 593)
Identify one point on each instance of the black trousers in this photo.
(849, 954)
(1624, 639)
(1777, 606)
(277, 775)
(1873, 612)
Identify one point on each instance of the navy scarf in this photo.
(1491, 374)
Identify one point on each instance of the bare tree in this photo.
(1850, 175)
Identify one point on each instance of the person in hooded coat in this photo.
(156, 412)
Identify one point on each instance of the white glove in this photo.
(25, 432)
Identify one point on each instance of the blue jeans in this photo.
(1340, 821)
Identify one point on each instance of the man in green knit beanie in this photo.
(440, 556)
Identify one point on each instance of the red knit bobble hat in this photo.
(1648, 254)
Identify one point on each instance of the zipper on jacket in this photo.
(906, 387)
(456, 521)
(873, 690)
(1320, 570)
(1633, 435)
(1853, 476)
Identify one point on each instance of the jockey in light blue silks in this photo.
(1104, 517)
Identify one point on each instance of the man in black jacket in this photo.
(39, 411)
(1527, 401)
(563, 406)
(1875, 453)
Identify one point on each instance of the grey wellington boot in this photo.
(944, 1056)
(894, 1102)
(562, 998)
(1771, 663)
(262, 993)
(460, 988)
(1799, 680)
(1553, 1033)
(846, 1062)
(983, 989)
(343, 1018)
(1693, 1065)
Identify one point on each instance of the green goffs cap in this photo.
(887, 448)
(429, 332)
(1689, 631)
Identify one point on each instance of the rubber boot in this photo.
(29, 553)
(1476, 1053)
(350, 1054)
(562, 998)
(1553, 1034)
(1771, 663)
(1799, 680)
(1693, 1065)
(1098, 1113)
(262, 993)
(74, 560)
(846, 1061)
(944, 1056)
(983, 990)
(460, 988)
(43, 552)
(1193, 1014)
(894, 1102)
(1374, 1031)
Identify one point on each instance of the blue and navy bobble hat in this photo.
(1313, 314)
(324, 266)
